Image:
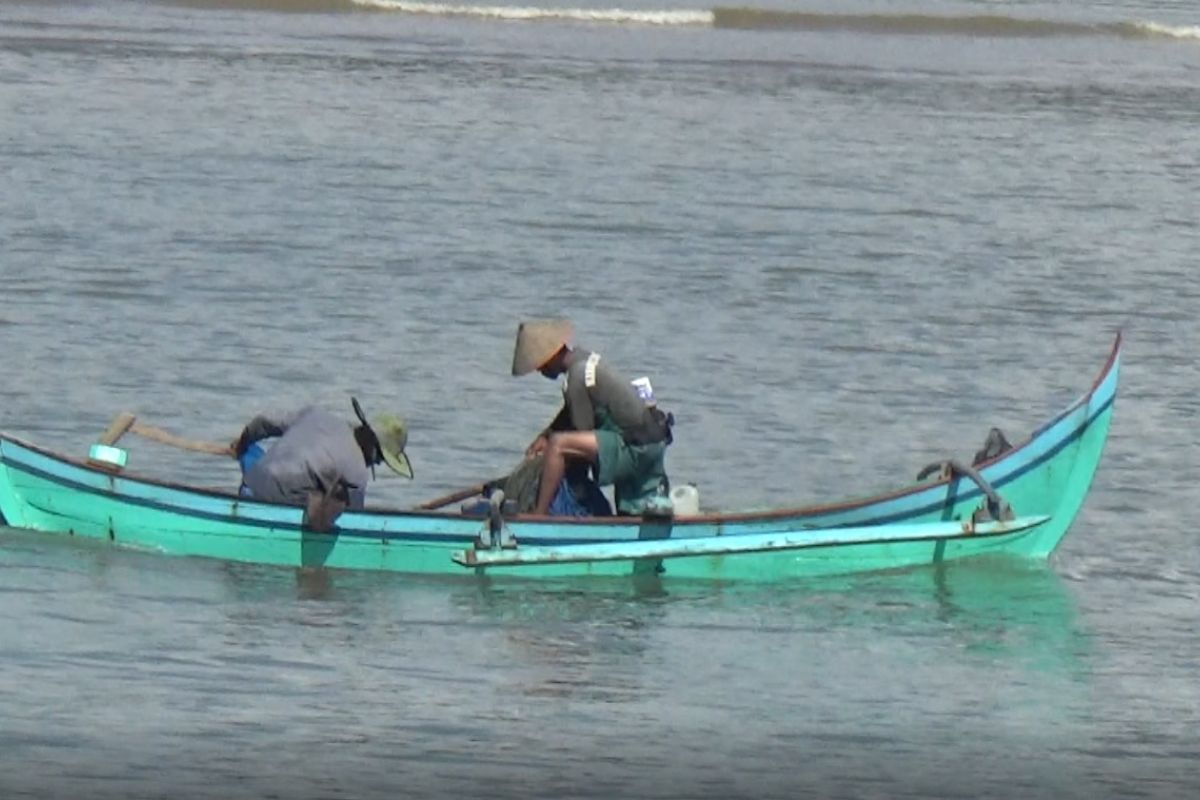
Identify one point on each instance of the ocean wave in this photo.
(1155, 30)
(742, 18)
(683, 17)
(983, 25)
(927, 24)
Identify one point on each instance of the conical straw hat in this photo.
(537, 341)
(391, 436)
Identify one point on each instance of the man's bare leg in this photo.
(569, 444)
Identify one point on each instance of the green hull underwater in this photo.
(1046, 477)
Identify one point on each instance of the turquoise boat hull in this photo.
(1045, 479)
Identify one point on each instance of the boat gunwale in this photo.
(699, 519)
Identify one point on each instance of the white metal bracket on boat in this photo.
(494, 531)
(734, 545)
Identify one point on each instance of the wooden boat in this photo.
(1020, 503)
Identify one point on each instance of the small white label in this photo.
(589, 370)
(644, 390)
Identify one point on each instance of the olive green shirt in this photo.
(596, 396)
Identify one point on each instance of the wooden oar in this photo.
(117, 428)
(126, 422)
(461, 494)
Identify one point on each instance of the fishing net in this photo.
(521, 485)
(577, 495)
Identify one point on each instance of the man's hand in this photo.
(537, 446)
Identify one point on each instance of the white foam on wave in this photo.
(528, 13)
(1173, 31)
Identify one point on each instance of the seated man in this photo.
(604, 424)
(318, 452)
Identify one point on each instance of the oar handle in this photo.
(126, 422)
(171, 440)
(454, 497)
(117, 428)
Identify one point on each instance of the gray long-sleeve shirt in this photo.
(315, 449)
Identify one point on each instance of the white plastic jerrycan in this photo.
(685, 500)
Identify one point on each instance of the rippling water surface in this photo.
(844, 239)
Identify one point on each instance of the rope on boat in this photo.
(995, 445)
(996, 506)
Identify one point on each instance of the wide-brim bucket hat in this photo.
(538, 341)
(391, 437)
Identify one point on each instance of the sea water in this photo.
(844, 239)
